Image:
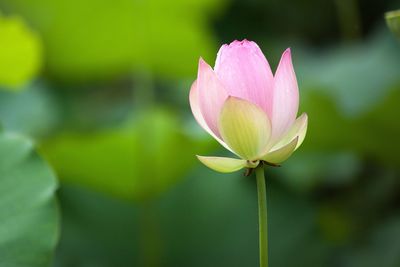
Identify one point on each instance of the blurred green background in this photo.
(95, 93)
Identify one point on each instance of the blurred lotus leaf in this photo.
(28, 211)
(338, 95)
(393, 21)
(103, 39)
(367, 134)
(20, 53)
(336, 225)
(380, 247)
(32, 111)
(313, 168)
(340, 73)
(204, 203)
(136, 161)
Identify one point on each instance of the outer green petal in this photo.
(282, 154)
(298, 129)
(244, 127)
(226, 165)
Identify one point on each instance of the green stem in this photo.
(262, 215)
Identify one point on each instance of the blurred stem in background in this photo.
(143, 88)
(262, 215)
(349, 19)
(150, 240)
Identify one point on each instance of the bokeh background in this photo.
(101, 88)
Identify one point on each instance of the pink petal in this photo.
(245, 73)
(211, 95)
(194, 105)
(286, 97)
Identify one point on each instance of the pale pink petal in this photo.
(194, 105)
(285, 97)
(211, 95)
(244, 71)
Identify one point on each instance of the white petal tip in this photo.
(287, 52)
(202, 62)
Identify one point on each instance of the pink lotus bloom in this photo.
(246, 108)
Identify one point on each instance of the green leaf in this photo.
(20, 53)
(335, 73)
(28, 212)
(135, 161)
(106, 39)
(393, 21)
(226, 165)
(32, 111)
(350, 114)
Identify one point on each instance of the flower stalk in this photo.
(262, 215)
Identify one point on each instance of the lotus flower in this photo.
(246, 108)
